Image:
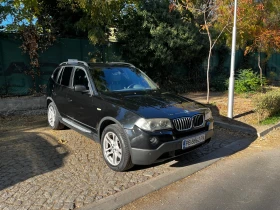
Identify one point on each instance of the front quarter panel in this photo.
(120, 115)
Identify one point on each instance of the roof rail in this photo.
(74, 61)
(123, 63)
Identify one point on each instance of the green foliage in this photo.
(271, 120)
(160, 41)
(218, 83)
(98, 17)
(248, 81)
(268, 103)
(64, 18)
(34, 26)
(258, 24)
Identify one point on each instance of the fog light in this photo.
(154, 141)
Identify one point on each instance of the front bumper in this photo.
(142, 156)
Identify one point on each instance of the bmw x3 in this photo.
(120, 107)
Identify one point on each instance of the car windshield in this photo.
(111, 79)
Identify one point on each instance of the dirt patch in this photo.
(243, 114)
(269, 141)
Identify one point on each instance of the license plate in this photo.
(186, 143)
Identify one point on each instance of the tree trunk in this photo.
(260, 67)
(209, 58)
(208, 76)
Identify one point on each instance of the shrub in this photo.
(248, 81)
(268, 103)
(218, 83)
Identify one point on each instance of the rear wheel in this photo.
(115, 148)
(53, 117)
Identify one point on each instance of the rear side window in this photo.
(66, 75)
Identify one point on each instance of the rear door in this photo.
(61, 90)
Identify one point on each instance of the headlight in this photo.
(208, 114)
(153, 124)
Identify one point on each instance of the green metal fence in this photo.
(15, 78)
(14, 65)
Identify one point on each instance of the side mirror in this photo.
(80, 88)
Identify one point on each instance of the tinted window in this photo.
(80, 78)
(65, 80)
(120, 79)
(55, 73)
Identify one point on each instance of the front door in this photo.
(83, 111)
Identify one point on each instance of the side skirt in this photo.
(81, 129)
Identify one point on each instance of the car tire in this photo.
(115, 148)
(53, 117)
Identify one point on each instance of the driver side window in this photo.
(80, 78)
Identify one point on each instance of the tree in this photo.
(99, 16)
(206, 16)
(159, 41)
(65, 18)
(33, 26)
(258, 26)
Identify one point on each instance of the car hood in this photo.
(154, 104)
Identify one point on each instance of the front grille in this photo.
(186, 123)
(198, 120)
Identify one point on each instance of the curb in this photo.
(127, 196)
(251, 131)
(266, 131)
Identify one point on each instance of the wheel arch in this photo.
(49, 100)
(104, 123)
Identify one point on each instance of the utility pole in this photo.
(232, 65)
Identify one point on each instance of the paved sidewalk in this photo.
(45, 169)
(247, 180)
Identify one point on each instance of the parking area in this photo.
(45, 169)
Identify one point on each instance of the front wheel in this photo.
(115, 148)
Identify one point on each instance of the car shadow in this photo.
(218, 146)
(25, 154)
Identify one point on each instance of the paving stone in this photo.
(68, 206)
(35, 207)
(37, 172)
(79, 204)
(148, 174)
(58, 205)
(40, 201)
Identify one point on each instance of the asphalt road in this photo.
(247, 180)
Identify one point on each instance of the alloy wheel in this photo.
(112, 148)
(51, 115)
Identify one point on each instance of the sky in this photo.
(8, 20)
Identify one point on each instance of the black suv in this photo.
(120, 107)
